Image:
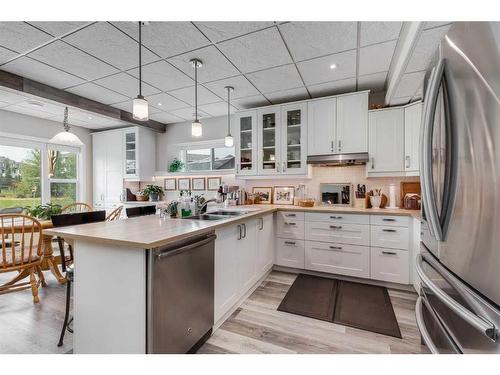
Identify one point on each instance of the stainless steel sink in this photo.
(226, 213)
(205, 217)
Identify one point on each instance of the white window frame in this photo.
(42, 144)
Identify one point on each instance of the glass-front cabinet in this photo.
(246, 142)
(293, 139)
(268, 141)
(131, 150)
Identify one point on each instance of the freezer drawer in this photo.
(389, 265)
(290, 253)
(341, 259)
(354, 234)
(390, 237)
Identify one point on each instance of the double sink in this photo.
(217, 215)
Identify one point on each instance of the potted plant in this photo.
(176, 166)
(44, 211)
(141, 196)
(154, 192)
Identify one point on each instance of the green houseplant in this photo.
(176, 166)
(154, 192)
(44, 211)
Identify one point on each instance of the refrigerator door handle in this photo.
(481, 324)
(428, 196)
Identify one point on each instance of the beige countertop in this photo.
(147, 232)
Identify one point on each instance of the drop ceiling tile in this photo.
(107, 43)
(6, 55)
(43, 106)
(162, 75)
(242, 87)
(37, 71)
(98, 93)
(374, 82)
(409, 84)
(126, 84)
(59, 28)
(217, 109)
(275, 79)
(188, 113)
(187, 95)
(166, 118)
(260, 50)
(376, 58)
(166, 102)
(215, 65)
(426, 46)
(283, 96)
(332, 88)
(307, 40)
(219, 31)
(250, 102)
(377, 32)
(21, 37)
(28, 111)
(72, 60)
(318, 70)
(128, 107)
(166, 38)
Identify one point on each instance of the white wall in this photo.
(16, 123)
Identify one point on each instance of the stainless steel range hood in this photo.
(338, 159)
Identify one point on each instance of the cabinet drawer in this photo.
(291, 215)
(338, 258)
(290, 228)
(337, 217)
(290, 253)
(354, 234)
(397, 221)
(391, 237)
(390, 265)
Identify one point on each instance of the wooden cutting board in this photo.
(409, 188)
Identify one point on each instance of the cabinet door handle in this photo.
(287, 223)
(335, 217)
(407, 159)
(373, 163)
(332, 145)
(389, 253)
(261, 223)
(389, 230)
(340, 145)
(290, 243)
(277, 167)
(244, 230)
(386, 219)
(290, 215)
(336, 226)
(336, 247)
(283, 167)
(239, 232)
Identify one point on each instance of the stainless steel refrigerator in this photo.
(458, 310)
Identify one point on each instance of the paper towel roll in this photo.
(392, 197)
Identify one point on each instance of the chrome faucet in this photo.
(202, 208)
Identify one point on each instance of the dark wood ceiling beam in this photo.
(28, 86)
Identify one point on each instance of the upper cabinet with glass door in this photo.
(268, 141)
(131, 153)
(293, 140)
(246, 143)
(140, 158)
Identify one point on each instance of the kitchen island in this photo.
(111, 268)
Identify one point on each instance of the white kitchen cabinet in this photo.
(390, 237)
(390, 265)
(352, 123)
(413, 118)
(99, 169)
(321, 123)
(290, 253)
(293, 136)
(268, 140)
(265, 243)
(246, 142)
(140, 154)
(386, 141)
(354, 234)
(248, 255)
(290, 227)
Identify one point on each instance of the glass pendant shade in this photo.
(196, 129)
(66, 138)
(228, 141)
(140, 109)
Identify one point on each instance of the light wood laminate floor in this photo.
(256, 327)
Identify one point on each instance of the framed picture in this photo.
(283, 194)
(170, 184)
(198, 183)
(213, 183)
(184, 184)
(263, 195)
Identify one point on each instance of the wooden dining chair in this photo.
(115, 214)
(76, 207)
(21, 252)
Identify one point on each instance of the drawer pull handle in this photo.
(388, 219)
(335, 217)
(286, 223)
(336, 247)
(389, 230)
(290, 215)
(389, 253)
(290, 243)
(336, 226)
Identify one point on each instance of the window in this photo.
(208, 159)
(34, 172)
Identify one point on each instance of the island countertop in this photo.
(151, 231)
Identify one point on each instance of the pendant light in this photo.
(140, 105)
(196, 128)
(228, 141)
(66, 138)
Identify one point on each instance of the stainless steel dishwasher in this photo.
(180, 295)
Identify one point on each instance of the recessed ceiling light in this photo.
(159, 104)
(333, 66)
(35, 104)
